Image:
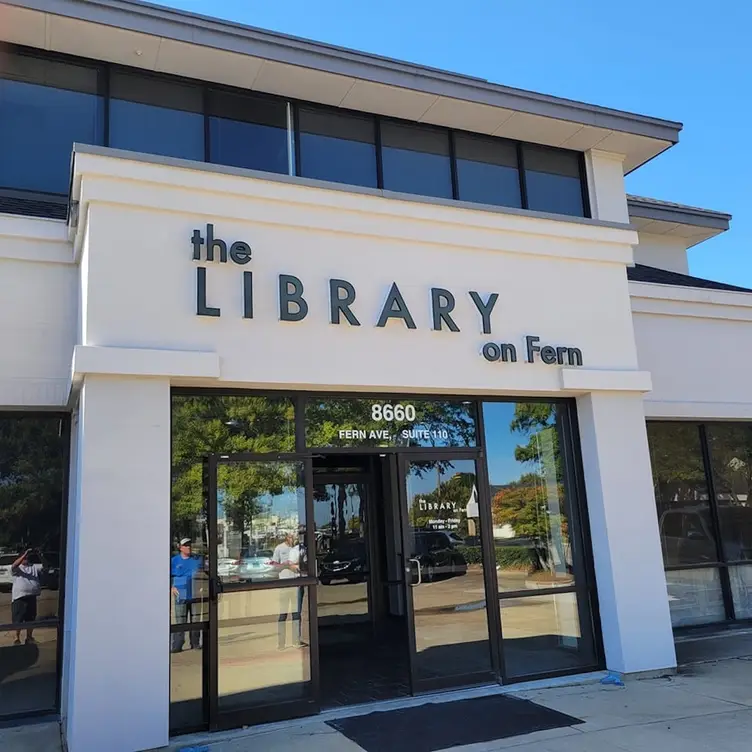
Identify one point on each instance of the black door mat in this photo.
(441, 725)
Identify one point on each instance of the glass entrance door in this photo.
(261, 599)
(444, 566)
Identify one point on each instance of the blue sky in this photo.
(684, 60)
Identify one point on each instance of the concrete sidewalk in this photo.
(707, 707)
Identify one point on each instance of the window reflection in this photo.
(28, 672)
(741, 590)
(389, 422)
(261, 521)
(542, 633)
(695, 596)
(529, 503)
(337, 146)
(248, 131)
(553, 181)
(45, 107)
(416, 159)
(487, 170)
(681, 494)
(446, 569)
(263, 654)
(156, 116)
(731, 462)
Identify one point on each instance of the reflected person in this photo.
(286, 558)
(184, 567)
(26, 573)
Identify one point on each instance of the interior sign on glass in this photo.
(293, 306)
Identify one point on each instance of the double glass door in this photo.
(274, 560)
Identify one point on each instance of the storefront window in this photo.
(536, 539)
(731, 461)
(156, 115)
(416, 159)
(248, 131)
(487, 170)
(345, 422)
(32, 476)
(337, 146)
(45, 107)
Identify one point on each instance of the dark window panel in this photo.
(248, 131)
(337, 146)
(552, 177)
(29, 672)
(731, 461)
(45, 107)
(156, 116)
(681, 494)
(416, 159)
(487, 170)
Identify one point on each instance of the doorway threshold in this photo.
(205, 740)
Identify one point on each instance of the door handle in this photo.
(215, 588)
(420, 575)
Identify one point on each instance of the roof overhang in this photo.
(692, 224)
(171, 41)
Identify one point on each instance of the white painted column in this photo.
(118, 685)
(605, 177)
(629, 572)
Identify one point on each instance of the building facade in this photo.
(330, 379)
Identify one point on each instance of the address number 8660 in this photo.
(392, 412)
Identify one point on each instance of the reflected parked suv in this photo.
(437, 555)
(346, 562)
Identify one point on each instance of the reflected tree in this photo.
(31, 482)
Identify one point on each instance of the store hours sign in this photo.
(208, 249)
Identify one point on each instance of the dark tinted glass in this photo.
(416, 159)
(731, 460)
(45, 106)
(337, 146)
(553, 180)
(681, 494)
(156, 116)
(487, 171)
(248, 131)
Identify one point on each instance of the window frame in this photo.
(723, 563)
(105, 70)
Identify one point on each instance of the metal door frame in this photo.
(423, 686)
(273, 711)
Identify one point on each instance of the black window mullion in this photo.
(379, 162)
(523, 179)
(104, 84)
(587, 210)
(207, 129)
(453, 167)
(723, 572)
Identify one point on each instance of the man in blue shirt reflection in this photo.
(184, 567)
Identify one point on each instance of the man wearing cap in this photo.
(183, 568)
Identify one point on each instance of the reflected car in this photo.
(258, 566)
(437, 556)
(227, 569)
(6, 579)
(51, 575)
(346, 562)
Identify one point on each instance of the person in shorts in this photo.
(26, 572)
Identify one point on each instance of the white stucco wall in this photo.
(38, 312)
(694, 342)
(663, 252)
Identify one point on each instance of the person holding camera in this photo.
(26, 573)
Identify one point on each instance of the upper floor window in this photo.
(248, 131)
(553, 180)
(337, 146)
(45, 106)
(487, 170)
(156, 116)
(415, 159)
